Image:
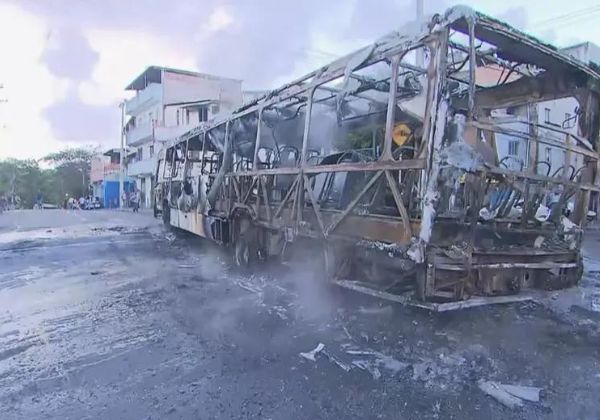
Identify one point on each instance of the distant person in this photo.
(135, 199)
(66, 201)
(39, 200)
(126, 198)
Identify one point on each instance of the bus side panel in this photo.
(193, 222)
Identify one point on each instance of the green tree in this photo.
(71, 171)
(68, 174)
(22, 179)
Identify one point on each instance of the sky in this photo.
(64, 63)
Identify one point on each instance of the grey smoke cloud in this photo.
(69, 54)
(74, 121)
(266, 40)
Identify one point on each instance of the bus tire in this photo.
(166, 214)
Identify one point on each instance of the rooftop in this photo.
(153, 74)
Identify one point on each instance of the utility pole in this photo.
(122, 156)
(420, 55)
(2, 101)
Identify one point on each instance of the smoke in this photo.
(69, 55)
(74, 121)
(314, 298)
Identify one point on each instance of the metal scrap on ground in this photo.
(511, 396)
(311, 355)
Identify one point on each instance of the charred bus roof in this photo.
(506, 44)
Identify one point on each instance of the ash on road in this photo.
(104, 315)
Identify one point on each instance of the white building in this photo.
(167, 103)
(552, 116)
(105, 171)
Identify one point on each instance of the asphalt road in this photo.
(105, 315)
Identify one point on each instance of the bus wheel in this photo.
(166, 214)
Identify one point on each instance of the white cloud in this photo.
(28, 86)
(122, 56)
(123, 53)
(219, 19)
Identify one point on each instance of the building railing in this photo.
(151, 94)
(141, 167)
(137, 135)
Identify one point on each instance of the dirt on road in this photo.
(112, 317)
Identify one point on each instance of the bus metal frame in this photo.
(430, 253)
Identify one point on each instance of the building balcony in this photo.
(138, 135)
(143, 99)
(142, 167)
(171, 133)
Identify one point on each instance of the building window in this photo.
(214, 109)
(547, 115)
(140, 154)
(513, 147)
(548, 154)
(151, 150)
(178, 117)
(568, 121)
(203, 114)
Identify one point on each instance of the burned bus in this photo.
(392, 162)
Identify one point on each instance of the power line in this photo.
(568, 18)
(569, 15)
(581, 19)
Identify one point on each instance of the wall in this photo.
(189, 88)
(584, 52)
(97, 168)
(171, 117)
(144, 99)
(556, 116)
(150, 115)
(518, 160)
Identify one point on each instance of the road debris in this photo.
(376, 310)
(362, 352)
(595, 302)
(527, 393)
(347, 333)
(311, 355)
(512, 396)
(170, 237)
(248, 287)
(337, 361)
(367, 366)
(378, 360)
